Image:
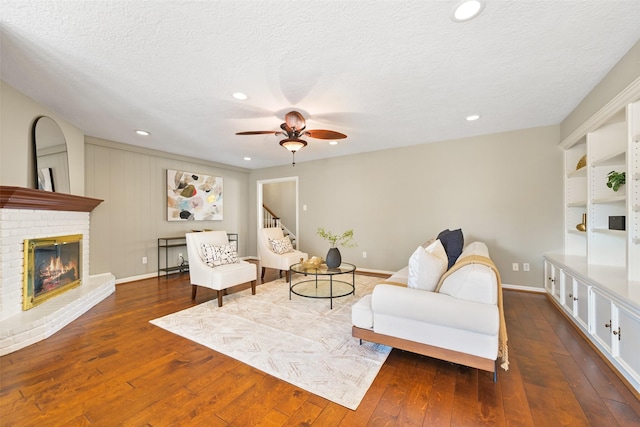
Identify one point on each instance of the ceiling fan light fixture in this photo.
(240, 96)
(293, 128)
(466, 10)
(293, 144)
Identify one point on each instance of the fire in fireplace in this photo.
(52, 266)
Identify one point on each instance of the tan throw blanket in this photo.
(386, 282)
(503, 350)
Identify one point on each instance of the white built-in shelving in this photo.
(611, 145)
(596, 280)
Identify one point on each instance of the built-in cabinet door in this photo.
(568, 294)
(627, 340)
(575, 298)
(581, 303)
(601, 325)
(552, 282)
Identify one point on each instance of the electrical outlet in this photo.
(515, 266)
(144, 259)
(364, 254)
(525, 266)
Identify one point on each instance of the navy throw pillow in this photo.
(453, 242)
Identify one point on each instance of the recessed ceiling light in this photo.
(466, 10)
(240, 96)
(143, 132)
(333, 142)
(247, 158)
(473, 117)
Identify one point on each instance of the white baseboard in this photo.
(140, 277)
(524, 288)
(369, 270)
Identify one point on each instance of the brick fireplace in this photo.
(27, 214)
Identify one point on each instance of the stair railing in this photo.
(270, 219)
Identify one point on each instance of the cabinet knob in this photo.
(570, 295)
(618, 333)
(575, 298)
(607, 325)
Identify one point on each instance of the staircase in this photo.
(270, 219)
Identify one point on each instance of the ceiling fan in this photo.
(293, 128)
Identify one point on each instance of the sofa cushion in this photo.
(474, 248)
(362, 314)
(453, 242)
(426, 266)
(400, 277)
(215, 256)
(431, 308)
(281, 246)
(473, 282)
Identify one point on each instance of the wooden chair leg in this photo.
(219, 298)
(194, 289)
(286, 275)
(253, 287)
(263, 269)
(280, 273)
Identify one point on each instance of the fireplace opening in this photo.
(52, 266)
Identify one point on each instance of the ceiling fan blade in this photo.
(324, 134)
(294, 120)
(258, 132)
(286, 128)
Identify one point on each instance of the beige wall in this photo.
(625, 72)
(132, 183)
(280, 197)
(504, 189)
(17, 115)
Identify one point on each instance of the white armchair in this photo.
(222, 276)
(270, 259)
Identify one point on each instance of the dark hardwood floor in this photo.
(112, 367)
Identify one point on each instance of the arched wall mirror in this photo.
(50, 156)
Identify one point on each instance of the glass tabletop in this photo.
(323, 270)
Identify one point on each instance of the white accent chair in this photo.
(220, 277)
(270, 259)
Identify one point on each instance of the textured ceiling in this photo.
(386, 73)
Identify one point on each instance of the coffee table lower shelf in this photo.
(322, 283)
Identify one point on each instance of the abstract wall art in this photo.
(193, 196)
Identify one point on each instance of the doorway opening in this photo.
(278, 206)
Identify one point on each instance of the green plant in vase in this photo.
(334, 259)
(615, 180)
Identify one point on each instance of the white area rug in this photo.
(300, 341)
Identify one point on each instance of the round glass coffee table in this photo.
(321, 283)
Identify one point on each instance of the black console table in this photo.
(164, 243)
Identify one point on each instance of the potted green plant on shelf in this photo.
(334, 258)
(615, 180)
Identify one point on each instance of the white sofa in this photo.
(460, 323)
